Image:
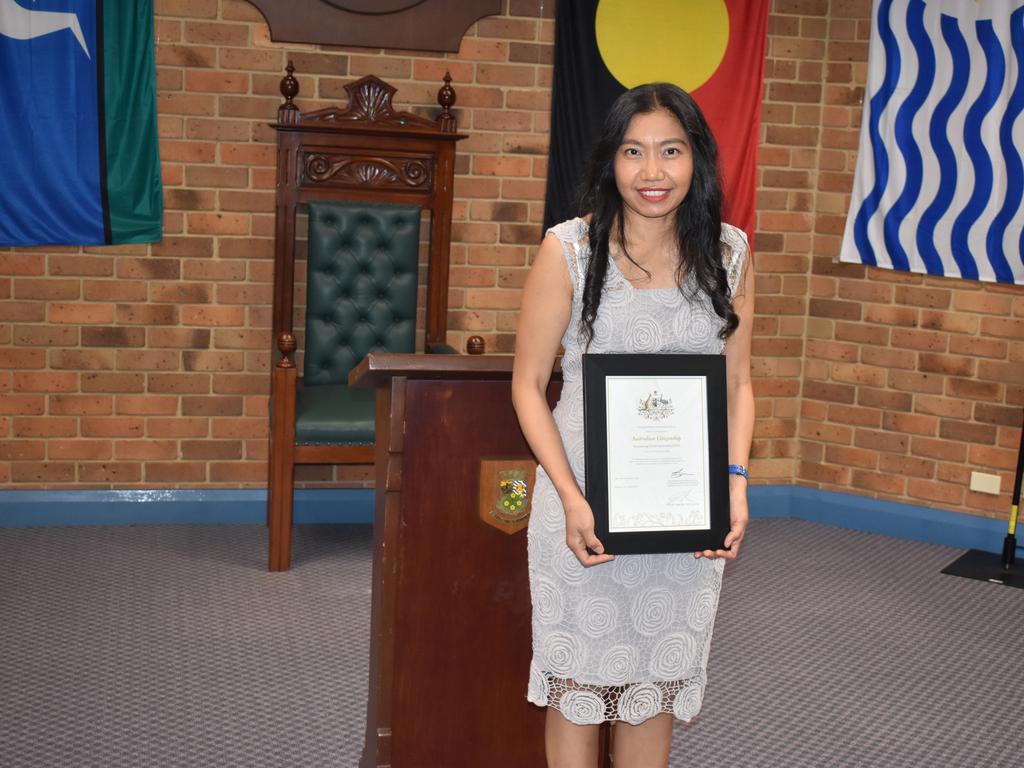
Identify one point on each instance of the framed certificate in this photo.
(657, 453)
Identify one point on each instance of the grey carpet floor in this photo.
(171, 646)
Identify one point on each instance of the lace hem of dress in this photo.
(633, 703)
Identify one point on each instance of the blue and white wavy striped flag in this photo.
(940, 179)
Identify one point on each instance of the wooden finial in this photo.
(287, 344)
(446, 98)
(475, 345)
(287, 112)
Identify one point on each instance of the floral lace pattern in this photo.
(629, 639)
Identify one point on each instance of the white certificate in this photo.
(657, 443)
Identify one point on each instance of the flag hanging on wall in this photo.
(940, 179)
(79, 161)
(714, 49)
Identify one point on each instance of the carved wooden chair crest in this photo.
(363, 174)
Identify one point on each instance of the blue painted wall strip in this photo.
(888, 518)
(28, 508)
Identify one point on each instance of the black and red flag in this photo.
(714, 49)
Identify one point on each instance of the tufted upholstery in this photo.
(362, 273)
(361, 297)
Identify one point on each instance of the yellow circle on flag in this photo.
(646, 41)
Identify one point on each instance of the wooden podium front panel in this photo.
(462, 641)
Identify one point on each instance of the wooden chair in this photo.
(363, 174)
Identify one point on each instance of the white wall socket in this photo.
(985, 483)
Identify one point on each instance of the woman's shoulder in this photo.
(570, 231)
(735, 238)
(734, 254)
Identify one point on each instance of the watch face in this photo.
(373, 7)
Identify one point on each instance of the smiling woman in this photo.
(682, 43)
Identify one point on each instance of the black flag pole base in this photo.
(987, 566)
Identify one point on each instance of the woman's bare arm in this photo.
(740, 395)
(543, 318)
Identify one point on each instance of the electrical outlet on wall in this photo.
(985, 483)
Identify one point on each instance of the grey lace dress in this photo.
(629, 639)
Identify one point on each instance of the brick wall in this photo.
(907, 383)
(147, 366)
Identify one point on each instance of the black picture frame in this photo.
(704, 374)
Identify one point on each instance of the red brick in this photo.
(112, 472)
(933, 298)
(81, 314)
(46, 382)
(935, 491)
(951, 365)
(148, 269)
(238, 472)
(176, 426)
(1003, 327)
(45, 336)
(22, 450)
(887, 399)
(22, 405)
(240, 428)
(211, 449)
(141, 314)
(854, 415)
(22, 358)
(975, 347)
(146, 450)
(115, 426)
(44, 426)
(909, 423)
(881, 441)
(906, 465)
(983, 303)
(967, 432)
(852, 457)
(200, 315)
(94, 450)
(882, 482)
(955, 408)
(113, 336)
(916, 382)
(76, 405)
(42, 472)
(997, 414)
(174, 472)
(931, 341)
(945, 450)
(178, 383)
(994, 458)
(113, 382)
(823, 473)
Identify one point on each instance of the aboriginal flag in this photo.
(714, 49)
(78, 140)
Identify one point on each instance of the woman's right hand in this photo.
(579, 533)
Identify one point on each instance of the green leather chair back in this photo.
(362, 271)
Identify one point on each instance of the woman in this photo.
(651, 269)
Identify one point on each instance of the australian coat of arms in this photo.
(655, 407)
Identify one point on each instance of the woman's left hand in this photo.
(739, 514)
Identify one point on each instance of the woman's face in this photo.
(654, 165)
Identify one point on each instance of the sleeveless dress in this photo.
(628, 639)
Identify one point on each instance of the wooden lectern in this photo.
(450, 629)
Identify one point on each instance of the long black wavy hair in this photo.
(698, 218)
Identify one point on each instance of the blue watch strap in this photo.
(739, 469)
